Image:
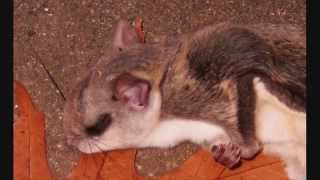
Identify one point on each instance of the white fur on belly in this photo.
(276, 122)
(171, 132)
(282, 131)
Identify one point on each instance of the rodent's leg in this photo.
(250, 150)
(248, 145)
(247, 141)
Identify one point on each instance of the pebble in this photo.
(139, 167)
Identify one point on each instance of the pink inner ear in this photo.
(132, 92)
(124, 36)
(136, 96)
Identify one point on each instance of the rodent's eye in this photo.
(102, 123)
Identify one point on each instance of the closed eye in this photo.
(102, 123)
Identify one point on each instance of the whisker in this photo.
(101, 143)
(95, 143)
(91, 144)
(89, 149)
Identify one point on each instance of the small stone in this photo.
(31, 33)
(99, 73)
(46, 9)
(156, 39)
(139, 167)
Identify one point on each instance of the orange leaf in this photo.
(88, 168)
(260, 161)
(21, 149)
(119, 165)
(29, 146)
(272, 171)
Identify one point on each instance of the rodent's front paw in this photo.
(227, 154)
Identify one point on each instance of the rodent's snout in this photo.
(73, 136)
(72, 141)
(72, 128)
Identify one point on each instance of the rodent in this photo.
(233, 88)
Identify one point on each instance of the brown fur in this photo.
(267, 51)
(207, 76)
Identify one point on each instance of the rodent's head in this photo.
(114, 113)
(117, 104)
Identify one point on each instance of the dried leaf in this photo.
(88, 168)
(119, 165)
(21, 149)
(30, 160)
(272, 171)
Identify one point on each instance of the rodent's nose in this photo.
(72, 136)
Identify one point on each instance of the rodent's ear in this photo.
(124, 36)
(132, 91)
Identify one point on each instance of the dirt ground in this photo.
(55, 41)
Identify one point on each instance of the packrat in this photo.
(232, 88)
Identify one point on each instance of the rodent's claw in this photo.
(227, 154)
